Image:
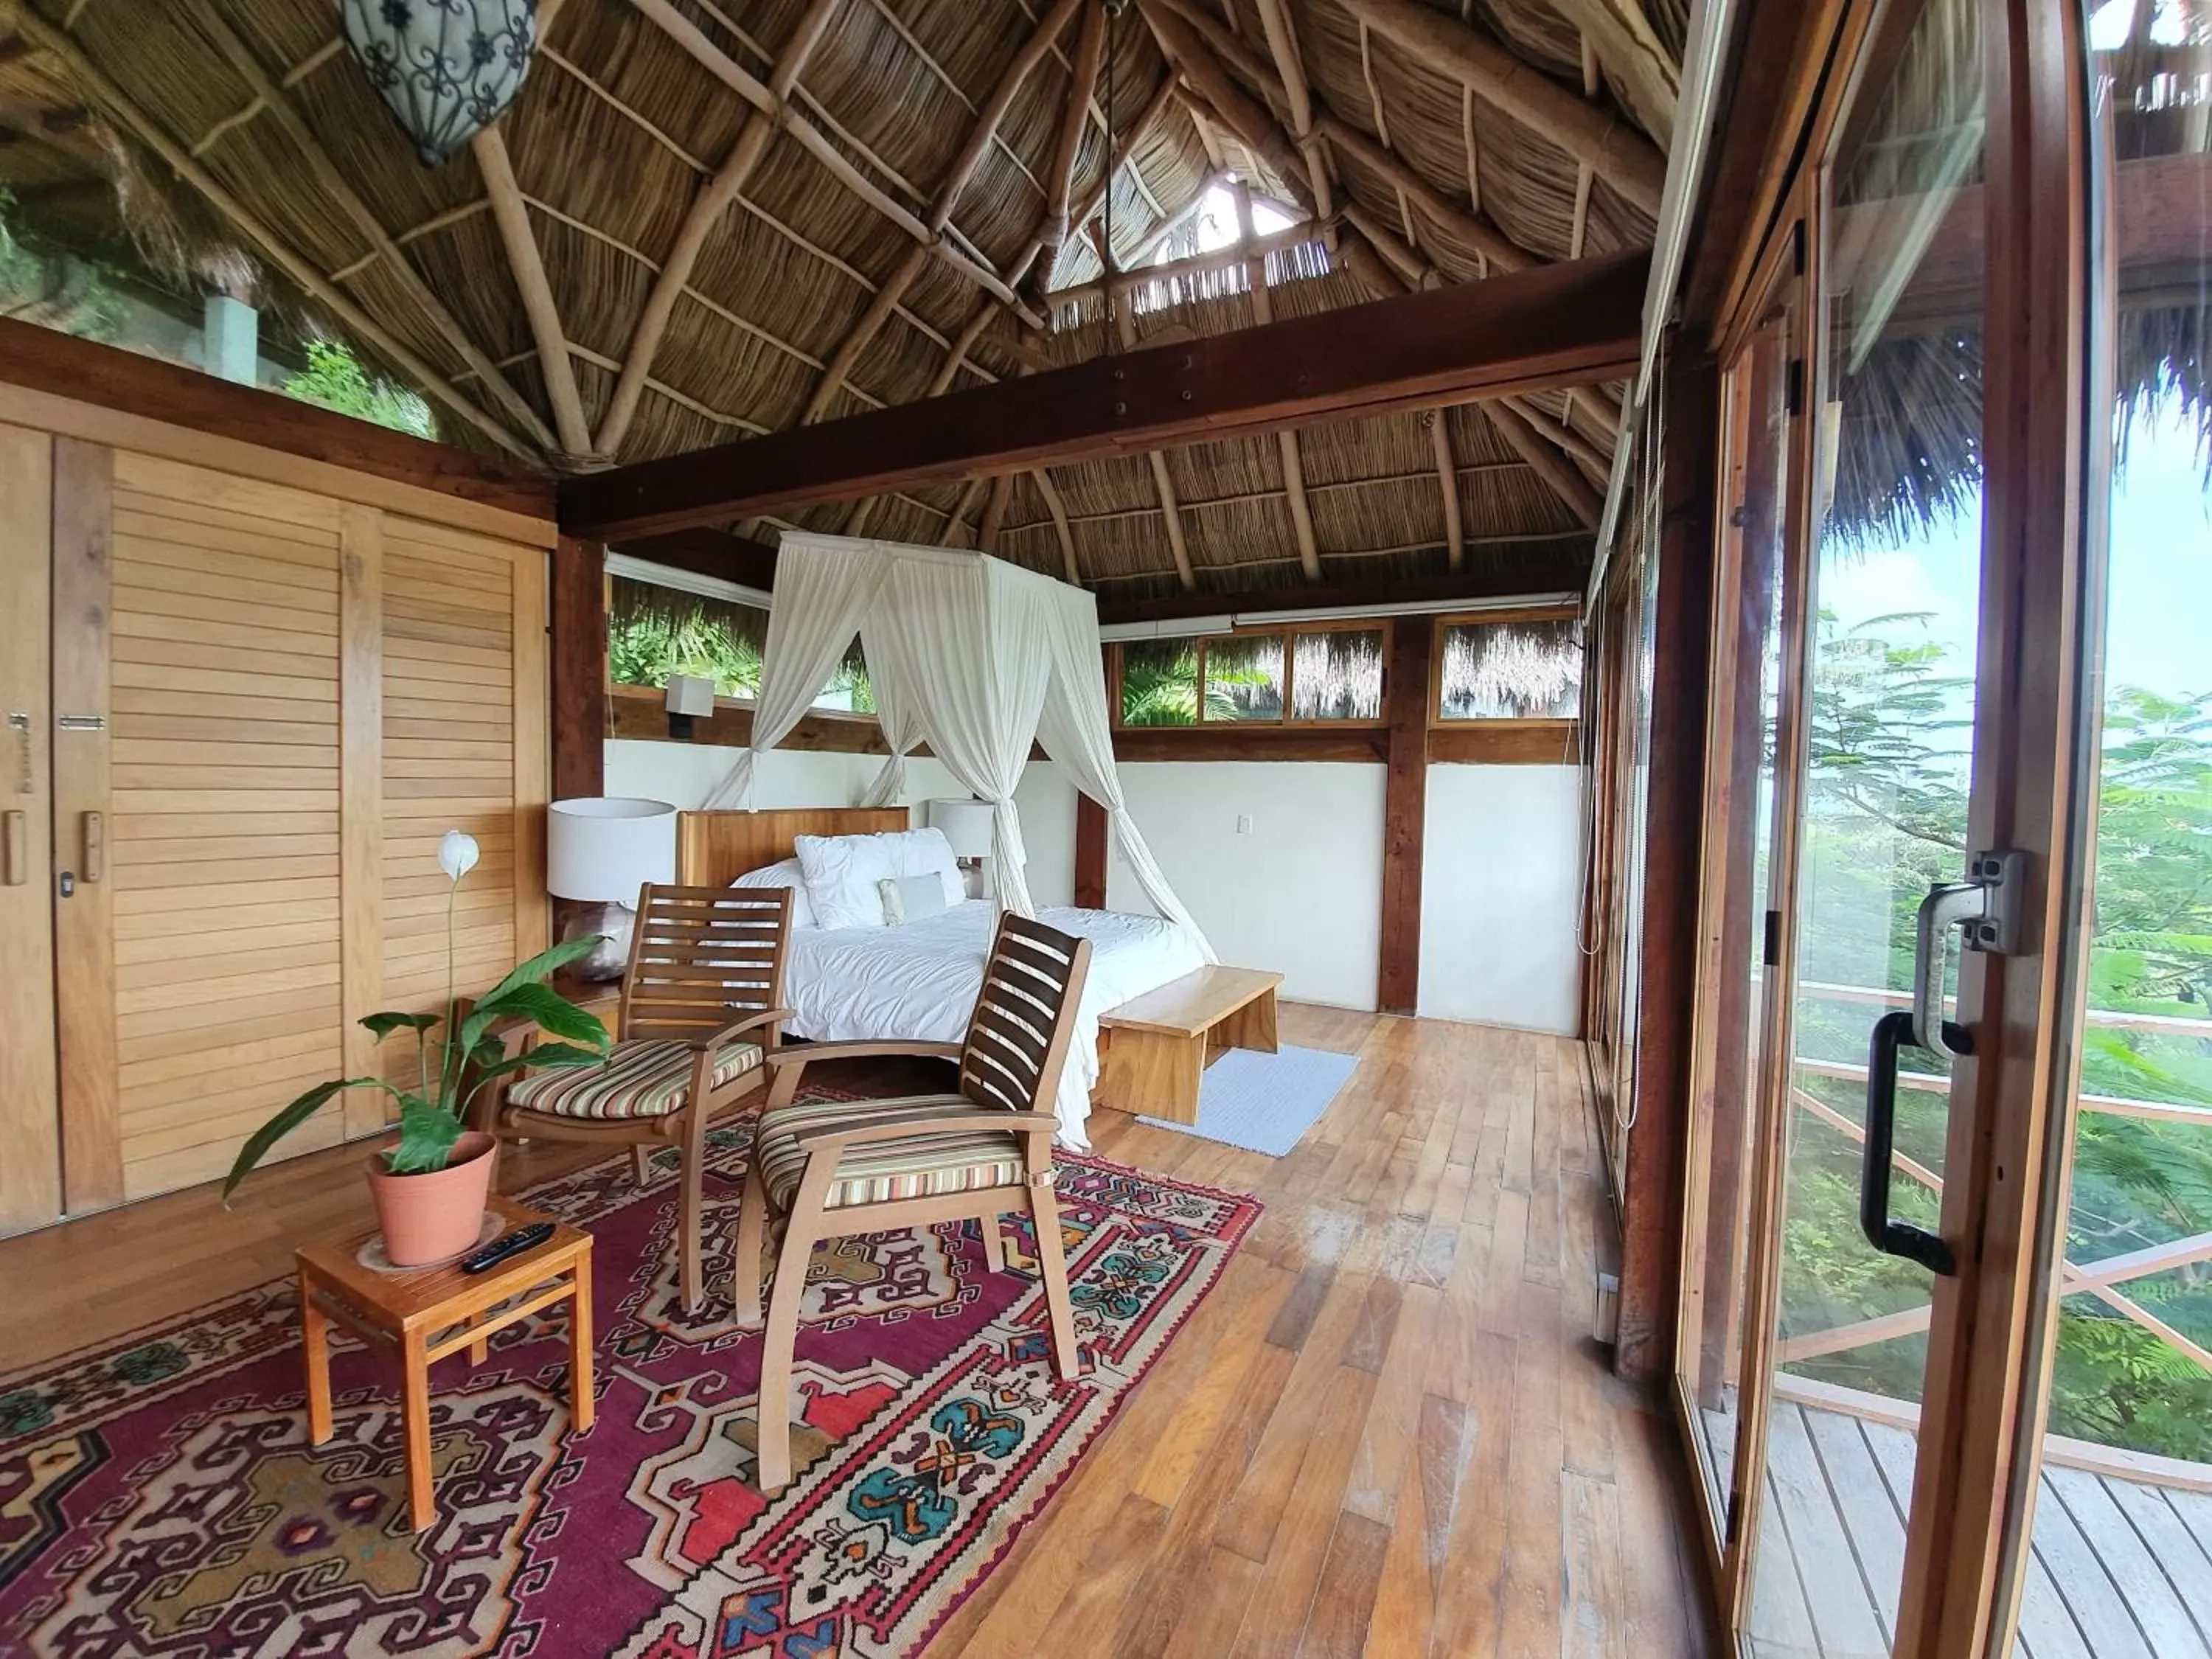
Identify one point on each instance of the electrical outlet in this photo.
(1243, 823)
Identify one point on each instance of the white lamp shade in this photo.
(966, 824)
(690, 693)
(602, 849)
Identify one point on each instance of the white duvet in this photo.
(919, 983)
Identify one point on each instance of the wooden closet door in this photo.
(222, 821)
(30, 1121)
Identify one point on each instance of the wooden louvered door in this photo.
(268, 705)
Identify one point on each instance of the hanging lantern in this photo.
(446, 68)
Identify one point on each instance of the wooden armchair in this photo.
(829, 1170)
(701, 1012)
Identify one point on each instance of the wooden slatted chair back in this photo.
(703, 957)
(1025, 1016)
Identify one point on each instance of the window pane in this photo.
(654, 632)
(1244, 678)
(1159, 682)
(1337, 676)
(1512, 671)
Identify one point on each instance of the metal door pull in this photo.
(83, 722)
(14, 849)
(95, 845)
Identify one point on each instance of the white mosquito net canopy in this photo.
(971, 655)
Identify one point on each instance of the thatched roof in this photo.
(797, 272)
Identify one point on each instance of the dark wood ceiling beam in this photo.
(1555, 325)
(1560, 569)
(721, 554)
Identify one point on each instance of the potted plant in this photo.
(429, 1188)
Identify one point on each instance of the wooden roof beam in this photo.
(1054, 504)
(1244, 115)
(1089, 49)
(1290, 70)
(1286, 441)
(1448, 484)
(1547, 464)
(1032, 52)
(1478, 234)
(711, 58)
(1621, 155)
(1623, 40)
(1549, 326)
(707, 205)
(885, 301)
(94, 82)
(527, 266)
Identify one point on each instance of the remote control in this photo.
(508, 1244)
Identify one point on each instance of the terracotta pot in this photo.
(437, 1214)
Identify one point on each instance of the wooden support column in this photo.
(1651, 1196)
(579, 669)
(1405, 810)
(1089, 854)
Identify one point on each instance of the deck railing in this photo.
(2101, 1279)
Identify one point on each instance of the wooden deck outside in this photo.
(2122, 1569)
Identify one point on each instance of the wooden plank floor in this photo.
(2120, 1570)
(1388, 1431)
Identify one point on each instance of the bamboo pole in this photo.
(94, 82)
(964, 164)
(711, 58)
(1090, 48)
(269, 96)
(1058, 507)
(1623, 156)
(527, 266)
(1448, 481)
(1547, 464)
(708, 204)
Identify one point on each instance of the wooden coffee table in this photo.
(423, 1315)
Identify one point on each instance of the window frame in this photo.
(1289, 633)
(1439, 721)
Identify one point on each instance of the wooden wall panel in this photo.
(361, 800)
(30, 1103)
(224, 828)
(449, 762)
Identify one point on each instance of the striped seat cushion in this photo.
(644, 1079)
(919, 1165)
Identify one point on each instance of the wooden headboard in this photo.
(712, 849)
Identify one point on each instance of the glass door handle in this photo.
(1986, 905)
(1884, 1231)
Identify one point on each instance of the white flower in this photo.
(457, 854)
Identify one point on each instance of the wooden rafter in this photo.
(1286, 441)
(1623, 156)
(703, 51)
(1163, 480)
(1244, 115)
(527, 266)
(1447, 485)
(1532, 331)
(1477, 234)
(856, 341)
(1548, 464)
(994, 513)
(1079, 216)
(1090, 48)
(956, 525)
(96, 82)
(1290, 70)
(1195, 264)
(1032, 52)
(1071, 568)
(712, 199)
(1621, 38)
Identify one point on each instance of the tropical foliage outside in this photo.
(1886, 814)
(335, 379)
(653, 633)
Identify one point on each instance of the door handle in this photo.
(1884, 1231)
(1987, 905)
(14, 849)
(95, 847)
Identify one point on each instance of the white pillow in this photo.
(786, 874)
(910, 898)
(842, 872)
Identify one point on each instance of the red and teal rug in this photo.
(158, 1495)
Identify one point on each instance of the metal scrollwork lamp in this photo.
(445, 69)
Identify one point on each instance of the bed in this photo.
(919, 983)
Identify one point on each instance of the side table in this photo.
(423, 1315)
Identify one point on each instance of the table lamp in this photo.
(600, 850)
(967, 825)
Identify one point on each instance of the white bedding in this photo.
(919, 983)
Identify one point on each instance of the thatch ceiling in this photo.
(815, 287)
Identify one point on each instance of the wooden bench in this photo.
(1155, 1049)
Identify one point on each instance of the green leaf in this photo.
(259, 1143)
(384, 1025)
(427, 1134)
(552, 1012)
(543, 965)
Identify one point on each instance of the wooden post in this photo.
(1089, 854)
(579, 669)
(1405, 808)
(1652, 1197)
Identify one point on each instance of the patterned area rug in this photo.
(158, 1495)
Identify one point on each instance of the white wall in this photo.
(1300, 892)
(1500, 875)
(684, 773)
